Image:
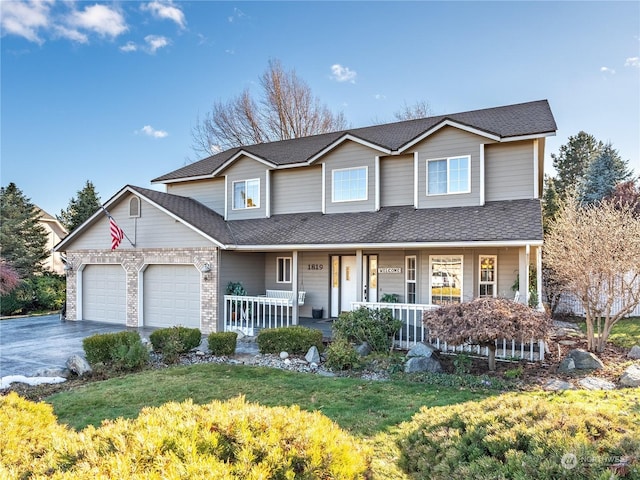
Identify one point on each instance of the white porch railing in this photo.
(413, 332)
(249, 314)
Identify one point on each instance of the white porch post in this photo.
(294, 287)
(359, 281)
(526, 274)
(539, 277)
(523, 274)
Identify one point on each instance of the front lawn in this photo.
(625, 333)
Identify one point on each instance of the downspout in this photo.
(294, 282)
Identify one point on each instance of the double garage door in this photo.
(171, 295)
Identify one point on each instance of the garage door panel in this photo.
(172, 296)
(104, 293)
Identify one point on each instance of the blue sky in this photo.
(110, 91)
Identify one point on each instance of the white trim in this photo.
(527, 259)
(343, 139)
(495, 273)
(278, 271)
(448, 160)
(333, 185)
(385, 246)
(482, 182)
(540, 306)
(528, 137)
(183, 179)
(454, 255)
(226, 197)
(407, 281)
(267, 194)
(416, 188)
(233, 193)
(238, 155)
(376, 167)
(536, 192)
(447, 123)
(324, 188)
(141, 293)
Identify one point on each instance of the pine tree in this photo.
(22, 239)
(80, 208)
(572, 161)
(603, 174)
(550, 202)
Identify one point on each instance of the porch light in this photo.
(206, 268)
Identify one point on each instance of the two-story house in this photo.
(435, 210)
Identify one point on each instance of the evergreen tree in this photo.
(22, 239)
(602, 175)
(550, 202)
(80, 208)
(572, 161)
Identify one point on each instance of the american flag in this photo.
(116, 233)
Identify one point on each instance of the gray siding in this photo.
(208, 192)
(350, 155)
(509, 171)
(246, 169)
(449, 142)
(396, 181)
(153, 229)
(296, 190)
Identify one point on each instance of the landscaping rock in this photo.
(634, 352)
(585, 360)
(595, 383)
(423, 364)
(363, 349)
(313, 356)
(567, 365)
(631, 376)
(53, 372)
(78, 365)
(422, 350)
(555, 384)
(284, 355)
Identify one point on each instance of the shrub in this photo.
(222, 343)
(376, 327)
(341, 355)
(173, 341)
(122, 350)
(523, 436)
(49, 291)
(296, 340)
(226, 440)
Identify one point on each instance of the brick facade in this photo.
(134, 262)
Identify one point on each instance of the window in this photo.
(134, 207)
(350, 184)
(488, 271)
(446, 279)
(283, 270)
(246, 194)
(410, 278)
(448, 175)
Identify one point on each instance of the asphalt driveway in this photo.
(29, 344)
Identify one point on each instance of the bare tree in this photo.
(484, 321)
(594, 251)
(286, 109)
(627, 193)
(420, 109)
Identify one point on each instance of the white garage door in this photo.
(104, 294)
(172, 296)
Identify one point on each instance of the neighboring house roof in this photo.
(53, 223)
(499, 123)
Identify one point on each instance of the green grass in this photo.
(361, 407)
(625, 333)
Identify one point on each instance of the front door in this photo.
(344, 284)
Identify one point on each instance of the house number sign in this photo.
(390, 270)
(315, 266)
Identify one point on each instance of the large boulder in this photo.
(363, 349)
(78, 365)
(634, 352)
(584, 360)
(567, 365)
(555, 384)
(423, 358)
(631, 376)
(595, 383)
(422, 350)
(313, 356)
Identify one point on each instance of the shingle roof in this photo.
(531, 118)
(513, 220)
(192, 212)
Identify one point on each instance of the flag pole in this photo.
(111, 218)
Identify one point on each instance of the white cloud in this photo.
(100, 19)
(129, 47)
(70, 34)
(155, 42)
(632, 62)
(237, 15)
(151, 132)
(607, 70)
(343, 74)
(24, 19)
(379, 96)
(166, 10)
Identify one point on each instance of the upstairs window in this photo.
(350, 184)
(449, 175)
(246, 194)
(283, 270)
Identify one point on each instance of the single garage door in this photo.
(104, 294)
(172, 296)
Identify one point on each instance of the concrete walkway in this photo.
(28, 344)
